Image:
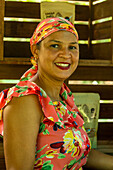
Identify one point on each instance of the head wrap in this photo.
(50, 25)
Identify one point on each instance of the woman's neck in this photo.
(51, 87)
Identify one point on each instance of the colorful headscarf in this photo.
(50, 25)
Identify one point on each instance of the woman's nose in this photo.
(65, 53)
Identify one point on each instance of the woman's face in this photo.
(58, 55)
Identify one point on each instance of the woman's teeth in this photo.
(62, 65)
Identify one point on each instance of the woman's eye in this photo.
(72, 47)
(55, 45)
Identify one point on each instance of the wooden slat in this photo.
(19, 29)
(5, 86)
(105, 131)
(22, 9)
(1, 27)
(81, 13)
(105, 91)
(105, 146)
(102, 30)
(2, 160)
(14, 71)
(26, 29)
(1, 148)
(102, 10)
(83, 31)
(84, 51)
(90, 27)
(99, 73)
(17, 49)
(2, 164)
(102, 51)
(112, 32)
(84, 0)
(106, 111)
(22, 50)
(9, 71)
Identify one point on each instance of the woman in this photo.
(43, 128)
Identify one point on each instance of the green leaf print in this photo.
(61, 156)
(64, 94)
(22, 89)
(48, 167)
(41, 149)
(21, 95)
(68, 112)
(46, 163)
(45, 132)
(42, 127)
(33, 67)
(18, 87)
(50, 103)
(29, 75)
(70, 93)
(63, 103)
(72, 163)
(24, 79)
(58, 123)
(74, 115)
(59, 116)
(42, 156)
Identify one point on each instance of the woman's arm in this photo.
(99, 161)
(22, 118)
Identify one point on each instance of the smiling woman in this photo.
(42, 125)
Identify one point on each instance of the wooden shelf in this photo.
(82, 62)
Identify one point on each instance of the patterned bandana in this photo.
(50, 25)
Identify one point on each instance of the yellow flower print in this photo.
(10, 92)
(51, 118)
(72, 143)
(62, 110)
(50, 26)
(64, 25)
(1, 112)
(51, 153)
(38, 163)
(41, 25)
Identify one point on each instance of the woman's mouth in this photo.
(63, 66)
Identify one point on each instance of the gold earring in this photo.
(36, 59)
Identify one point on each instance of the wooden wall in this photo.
(96, 58)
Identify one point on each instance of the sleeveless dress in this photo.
(62, 142)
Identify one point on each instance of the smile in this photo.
(63, 66)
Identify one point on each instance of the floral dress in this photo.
(62, 143)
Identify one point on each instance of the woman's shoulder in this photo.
(24, 106)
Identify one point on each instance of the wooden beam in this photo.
(112, 32)
(2, 6)
(90, 28)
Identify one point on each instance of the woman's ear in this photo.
(34, 50)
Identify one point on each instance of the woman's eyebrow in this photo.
(61, 42)
(74, 42)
